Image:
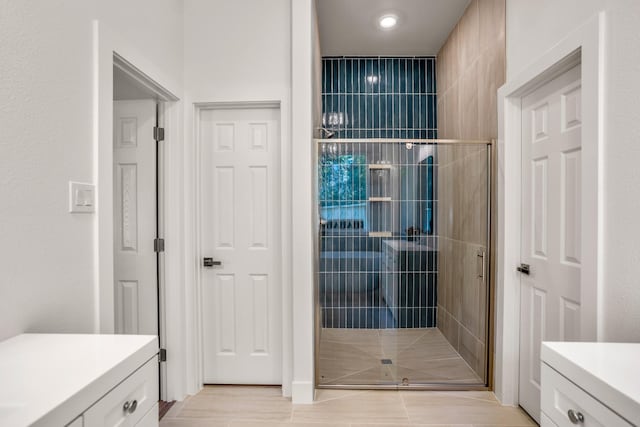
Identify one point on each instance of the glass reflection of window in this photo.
(343, 186)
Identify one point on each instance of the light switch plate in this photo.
(82, 197)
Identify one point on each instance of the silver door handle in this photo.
(483, 272)
(524, 269)
(210, 262)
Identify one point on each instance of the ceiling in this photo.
(350, 27)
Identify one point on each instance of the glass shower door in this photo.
(402, 283)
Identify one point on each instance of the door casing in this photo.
(110, 49)
(584, 46)
(283, 267)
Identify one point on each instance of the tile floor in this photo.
(245, 406)
(353, 357)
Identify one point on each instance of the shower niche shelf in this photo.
(380, 201)
(380, 234)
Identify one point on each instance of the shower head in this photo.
(326, 133)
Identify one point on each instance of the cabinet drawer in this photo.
(546, 421)
(559, 396)
(138, 393)
(150, 419)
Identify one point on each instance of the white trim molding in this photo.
(109, 50)
(584, 46)
(303, 392)
(302, 254)
(193, 323)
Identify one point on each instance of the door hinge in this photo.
(158, 134)
(163, 354)
(158, 245)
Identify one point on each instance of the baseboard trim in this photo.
(286, 389)
(302, 392)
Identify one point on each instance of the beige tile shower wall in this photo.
(470, 69)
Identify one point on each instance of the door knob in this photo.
(524, 269)
(210, 262)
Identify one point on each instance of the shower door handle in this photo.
(482, 265)
(524, 269)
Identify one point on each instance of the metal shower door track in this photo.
(403, 141)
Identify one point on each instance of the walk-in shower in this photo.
(403, 259)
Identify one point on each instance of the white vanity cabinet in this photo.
(79, 380)
(590, 384)
(129, 402)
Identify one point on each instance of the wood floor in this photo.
(354, 357)
(163, 407)
(243, 406)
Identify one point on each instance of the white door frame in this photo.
(110, 49)
(285, 243)
(583, 46)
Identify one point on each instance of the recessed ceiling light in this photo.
(387, 21)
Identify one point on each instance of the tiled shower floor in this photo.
(355, 357)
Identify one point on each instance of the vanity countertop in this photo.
(40, 372)
(611, 369)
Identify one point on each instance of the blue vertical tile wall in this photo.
(380, 97)
(377, 97)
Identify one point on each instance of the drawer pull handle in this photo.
(575, 417)
(130, 407)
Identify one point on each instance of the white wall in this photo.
(533, 28)
(46, 273)
(237, 51)
(220, 50)
(154, 29)
(47, 276)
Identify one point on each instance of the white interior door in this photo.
(551, 225)
(135, 217)
(240, 219)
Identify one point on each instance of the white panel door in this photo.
(240, 220)
(135, 217)
(551, 221)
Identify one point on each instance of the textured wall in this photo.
(47, 272)
(470, 68)
(256, 55)
(620, 293)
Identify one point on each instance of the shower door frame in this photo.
(491, 268)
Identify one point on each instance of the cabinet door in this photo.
(126, 404)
